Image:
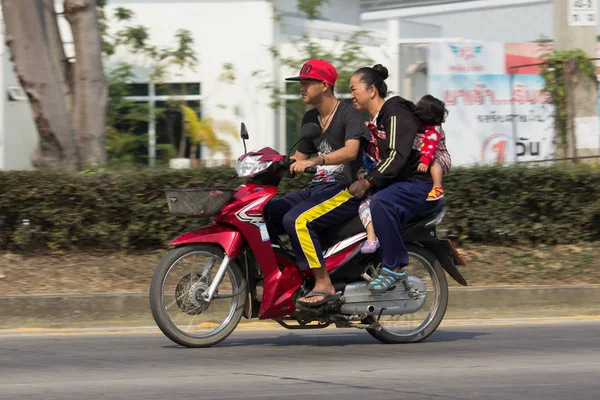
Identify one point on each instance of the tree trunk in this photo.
(170, 128)
(184, 135)
(570, 71)
(90, 92)
(193, 159)
(57, 51)
(183, 141)
(34, 66)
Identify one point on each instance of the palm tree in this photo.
(202, 131)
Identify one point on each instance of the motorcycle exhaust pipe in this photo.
(370, 309)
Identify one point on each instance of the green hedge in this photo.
(127, 210)
(550, 205)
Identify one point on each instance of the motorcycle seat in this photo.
(354, 226)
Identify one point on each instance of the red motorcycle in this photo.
(236, 267)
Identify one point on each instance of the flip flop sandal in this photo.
(327, 297)
(386, 280)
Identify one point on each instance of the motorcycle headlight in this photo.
(250, 166)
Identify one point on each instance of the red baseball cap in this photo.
(319, 70)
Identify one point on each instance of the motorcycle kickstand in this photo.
(377, 325)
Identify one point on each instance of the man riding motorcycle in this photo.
(326, 201)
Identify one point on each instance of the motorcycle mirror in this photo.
(310, 131)
(244, 132)
(244, 135)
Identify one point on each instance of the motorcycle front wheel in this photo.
(176, 301)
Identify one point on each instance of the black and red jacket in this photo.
(397, 126)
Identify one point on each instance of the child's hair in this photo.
(431, 111)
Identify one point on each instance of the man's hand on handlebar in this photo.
(302, 166)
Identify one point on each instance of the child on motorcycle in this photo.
(370, 160)
(431, 142)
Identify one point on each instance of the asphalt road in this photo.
(522, 360)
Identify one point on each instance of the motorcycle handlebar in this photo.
(307, 170)
(286, 164)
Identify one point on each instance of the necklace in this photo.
(324, 124)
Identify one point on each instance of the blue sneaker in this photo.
(386, 279)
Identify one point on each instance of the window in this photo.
(177, 89)
(138, 89)
(168, 118)
(169, 123)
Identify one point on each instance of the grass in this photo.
(101, 272)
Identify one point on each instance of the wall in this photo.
(408, 29)
(506, 24)
(18, 133)
(342, 11)
(236, 32)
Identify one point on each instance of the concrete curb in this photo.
(132, 309)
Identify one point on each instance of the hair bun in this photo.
(382, 71)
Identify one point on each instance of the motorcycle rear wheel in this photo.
(438, 297)
(180, 298)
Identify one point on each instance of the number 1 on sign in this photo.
(500, 148)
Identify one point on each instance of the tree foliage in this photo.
(311, 8)
(559, 70)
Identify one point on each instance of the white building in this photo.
(242, 32)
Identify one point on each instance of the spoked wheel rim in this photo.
(181, 295)
(409, 325)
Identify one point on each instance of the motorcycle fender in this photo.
(226, 237)
(446, 255)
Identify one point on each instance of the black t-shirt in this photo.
(347, 123)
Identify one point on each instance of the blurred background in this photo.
(107, 103)
(181, 76)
